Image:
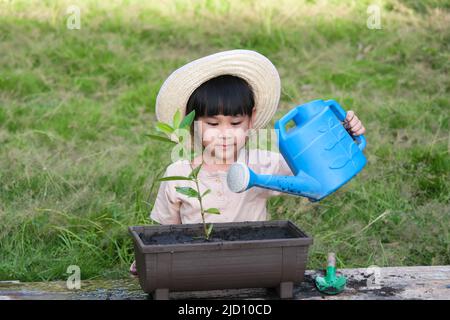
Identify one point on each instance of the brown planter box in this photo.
(267, 263)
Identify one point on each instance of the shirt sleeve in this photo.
(166, 209)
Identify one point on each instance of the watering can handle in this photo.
(284, 120)
(341, 114)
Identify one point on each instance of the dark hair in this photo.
(227, 95)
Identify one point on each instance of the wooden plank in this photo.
(397, 283)
(390, 283)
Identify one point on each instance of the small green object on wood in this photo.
(331, 284)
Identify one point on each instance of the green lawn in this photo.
(76, 167)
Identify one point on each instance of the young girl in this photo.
(231, 93)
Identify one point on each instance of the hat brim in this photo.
(256, 69)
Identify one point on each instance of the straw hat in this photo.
(256, 69)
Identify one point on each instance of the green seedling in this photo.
(176, 134)
(331, 284)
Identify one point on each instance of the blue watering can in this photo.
(319, 151)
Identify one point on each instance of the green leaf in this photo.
(187, 191)
(183, 153)
(174, 178)
(206, 192)
(213, 210)
(187, 121)
(159, 138)
(176, 119)
(209, 230)
(194, 173)
(164, 127)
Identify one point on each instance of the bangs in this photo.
(224, 95)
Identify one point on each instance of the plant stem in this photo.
(201, 204)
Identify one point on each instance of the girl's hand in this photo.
(353, 124)
(133, 270)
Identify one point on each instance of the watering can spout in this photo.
(240, 178)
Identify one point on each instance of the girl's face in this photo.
(223, 136)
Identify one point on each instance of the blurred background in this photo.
(76, 168)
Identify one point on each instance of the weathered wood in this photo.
(390, 283)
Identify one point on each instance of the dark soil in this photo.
(232, 234)
(362, 283)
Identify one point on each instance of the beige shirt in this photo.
(172, 207)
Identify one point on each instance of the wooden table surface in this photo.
(381, 283)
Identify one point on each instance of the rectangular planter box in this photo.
(268, 263)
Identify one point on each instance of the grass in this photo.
(76, 168)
